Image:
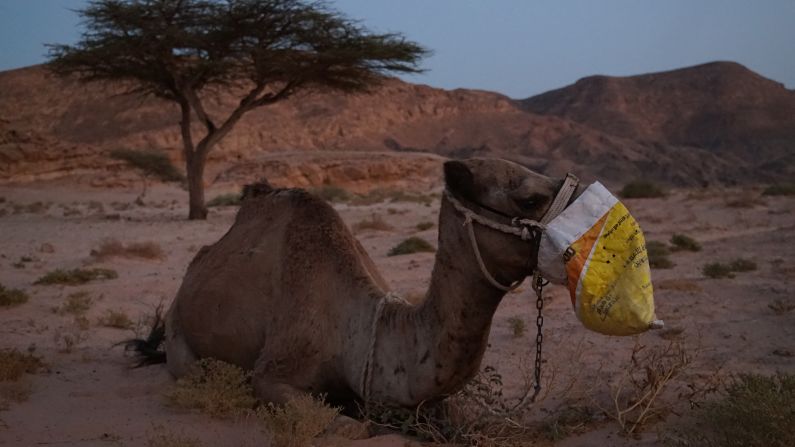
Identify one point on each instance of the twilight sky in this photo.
(516, 47)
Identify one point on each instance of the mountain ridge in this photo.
(600, 127)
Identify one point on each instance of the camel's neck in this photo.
(434, 348)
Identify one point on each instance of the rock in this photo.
(47, 248)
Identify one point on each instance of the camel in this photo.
(289, 293)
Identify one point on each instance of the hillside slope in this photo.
(51, 127)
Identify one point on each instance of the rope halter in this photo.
(525, 229)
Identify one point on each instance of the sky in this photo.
(516, 47)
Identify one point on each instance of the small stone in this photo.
(47, 248)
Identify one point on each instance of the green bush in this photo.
(231, 199)
(658, 255)
(717, 270)
(641, 189)
(150, 162)
(779, 190)
(76, 276)
(331, 193)
(422, 226)
(12, 297)
(684, 242)
(755, 411)
(411, 245)
(742, 265)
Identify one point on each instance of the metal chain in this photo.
(538, 285)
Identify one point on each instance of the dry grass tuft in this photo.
(76, 304)
(297, 422)
(781, 307)
(113, 248)
(411, 245)
(75, 277)
(375, 222)
(14, 392)
(13, 364)
(116, 319)
(12, 297)
(214, 387)
(636, 393)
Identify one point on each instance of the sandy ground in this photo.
(88, 395)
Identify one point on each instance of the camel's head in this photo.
(498, 190)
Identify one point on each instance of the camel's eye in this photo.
(530, 203)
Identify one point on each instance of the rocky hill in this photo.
(722, 107)
(716, 123)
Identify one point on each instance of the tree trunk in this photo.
(195, 171)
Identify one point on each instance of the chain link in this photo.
(538, 285)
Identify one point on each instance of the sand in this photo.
(89, 396)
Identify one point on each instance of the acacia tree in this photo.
(266, 49)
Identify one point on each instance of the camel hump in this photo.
(257, 189)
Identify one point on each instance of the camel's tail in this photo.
(147, 350)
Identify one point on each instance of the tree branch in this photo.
(196, 103)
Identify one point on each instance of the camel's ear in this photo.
(459, 179)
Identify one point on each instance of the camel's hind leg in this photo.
(179, 357)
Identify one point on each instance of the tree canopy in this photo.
(175, 49)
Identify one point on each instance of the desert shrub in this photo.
(116, 319)
(151, 162)
(742, 265)
(422, 226)
(635, 395)
(411, 245)
(214, 387)
(375, 222)
(13, 364)
(331, 193)
(781, 307)
(76, 303)
(296, 423)
(717, 270)
(753, 411)
(76, 276)
(517, 326)
(684, 242)
(113, 248)
(18, 391)
(230, 199)
(658, 255)
(720, 270)
(12, 297)
(748, 199)
(779, 190)
(641, 189)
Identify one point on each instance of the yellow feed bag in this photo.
(597, 249)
